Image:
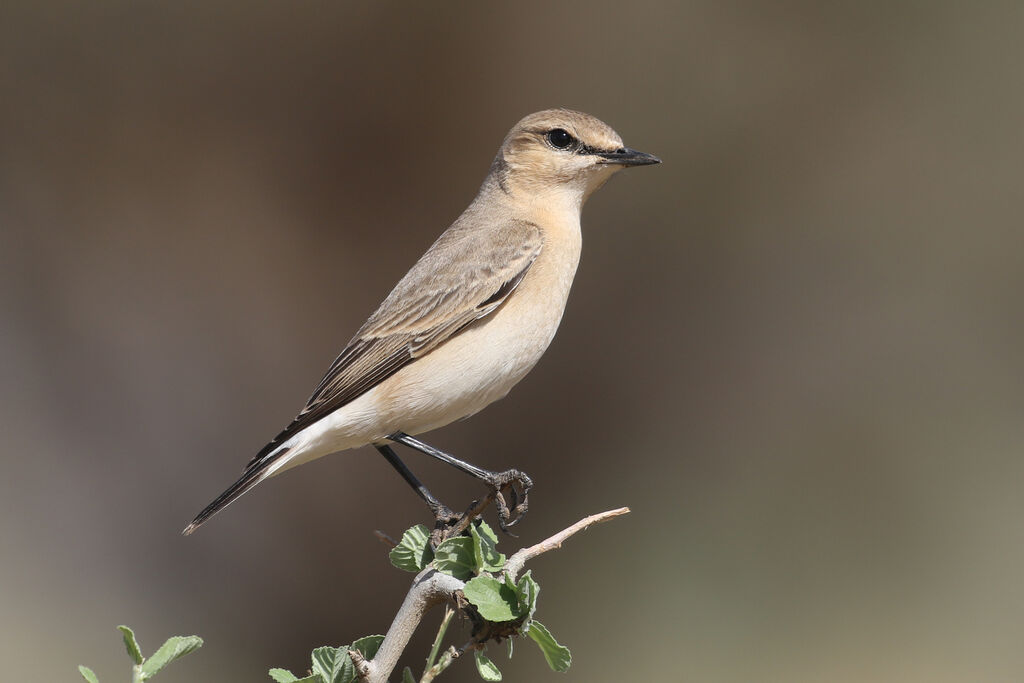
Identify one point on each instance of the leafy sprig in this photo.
(144, 668)
(497, 599)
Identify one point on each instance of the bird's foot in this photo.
(446, 522)
(517, 485)
(509, 491)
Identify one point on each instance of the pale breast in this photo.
(482, 363)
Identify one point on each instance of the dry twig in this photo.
(521, 557)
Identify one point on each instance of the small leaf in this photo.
(558, 656)
(87, 674)
(493, 599)
(407, 676)
(485, 530)
(174, 648)
(286, 676)
(131, 644)
(527, 589)
(485, 549)
(413, 552)
(333, 665)
(367, 646)
(485, 667)
(455, 557)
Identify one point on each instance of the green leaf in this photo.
(174, 648)
(485, 667)
(485, 530)
(367, 646)
(557, 656)
(131, 644)
(286, 676)
(333, 665)
(527, 589)
(413, 552)
(407, 676)
(493, 599)
(455, 557)
(485, 543)
(87, 674)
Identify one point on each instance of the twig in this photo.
(448, 614)
(521, 557)
(385, 538)
(475, 509)
(446, 660)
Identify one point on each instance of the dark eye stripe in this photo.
(574, 145)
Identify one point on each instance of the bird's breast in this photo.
(483, 362)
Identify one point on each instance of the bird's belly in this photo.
(463, 376)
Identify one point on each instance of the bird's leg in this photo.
(443, 516)
(517, 483)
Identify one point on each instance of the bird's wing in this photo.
(464, 277)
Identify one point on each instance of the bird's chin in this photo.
(599, 175)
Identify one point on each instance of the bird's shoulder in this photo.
(464, 269)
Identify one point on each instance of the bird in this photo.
(471, 317)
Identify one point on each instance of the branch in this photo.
(516, 562)
(431, 588)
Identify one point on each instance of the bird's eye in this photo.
(560, 138)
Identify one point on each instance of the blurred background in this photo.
(795, 349)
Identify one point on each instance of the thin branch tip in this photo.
(521, 557)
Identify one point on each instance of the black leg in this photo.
(441, 512)
(517, 482)
(462, 465)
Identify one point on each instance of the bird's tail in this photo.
(257, 471)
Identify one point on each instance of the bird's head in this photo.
(562, 151)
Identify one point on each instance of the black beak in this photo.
(628, 157)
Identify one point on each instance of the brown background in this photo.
(795, 348)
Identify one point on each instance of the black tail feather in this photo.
(252, 476)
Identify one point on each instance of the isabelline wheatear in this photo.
(470, 319)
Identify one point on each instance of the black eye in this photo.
(560, 138)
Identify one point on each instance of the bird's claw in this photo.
(518, 486)
(514, 484)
